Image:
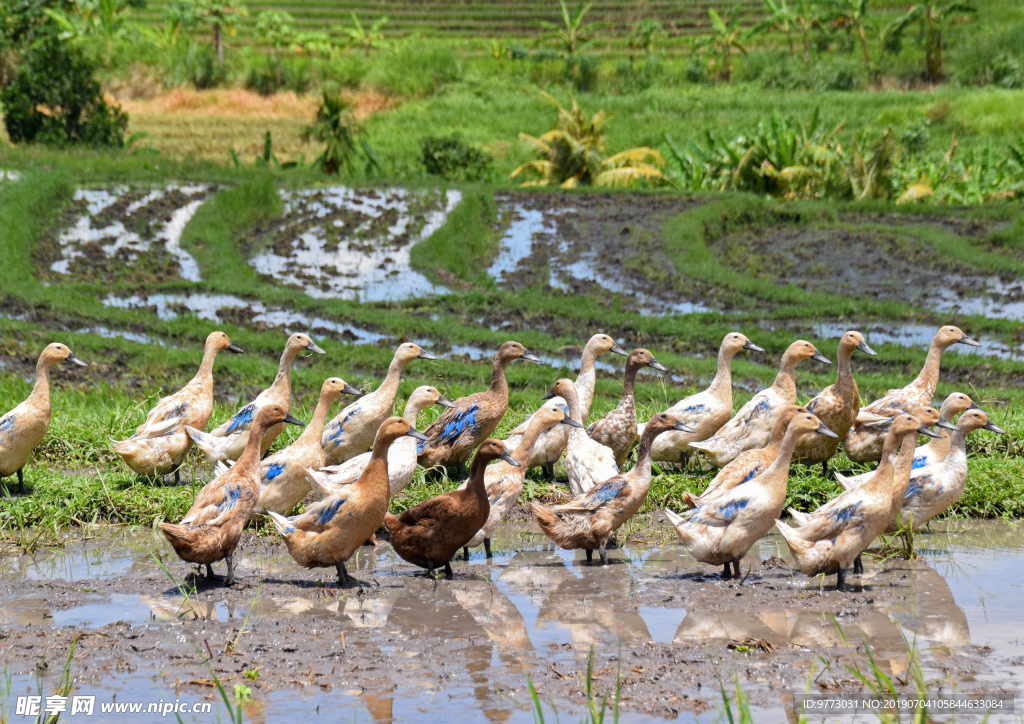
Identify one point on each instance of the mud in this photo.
(405, 648)
(350, 243)
(608, 246)
(122, 234)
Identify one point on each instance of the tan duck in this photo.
(721, 531)
(161, 442)
(587, 462)
(589, 520)
(751, 427)
(862, 443)
(617, 429)
(228, 440)
(24, 427)
(431, 533)
(836, 406)
(504, 482)
(839, 531)
(332, 529)
(749, 464)
(211, 529)
(706, 411)
(551, 443)
(454, 435)
(283, 475)
(352, 430)
(936, 449)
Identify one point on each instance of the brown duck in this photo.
(430, 534)
(211, 529)
(617, 429)
(454, 435)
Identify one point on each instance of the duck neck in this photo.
(641, 472)
(628, 382)
(928, 378)
(476, 487)
(845, 384)
(250, 457)
(777, 436)
(572, 404)
(41, 389)
(903, 466)
(587, 378)
(498, 384)
(778, 472)
(389, 387)
(721, 386)
(524, 452)
(890, 447)
(413, 408)
(283, 382)
(376, 470)
(205, 373)
(785, 381)
(315, 427)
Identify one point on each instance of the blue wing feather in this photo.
(919, 462)
(7, 426)
(461, 421)
(243, 418)
(273, 471)
(335, 430)
(232, 494)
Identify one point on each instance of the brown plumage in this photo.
(430, 534)
(211, 529)
(617, 429)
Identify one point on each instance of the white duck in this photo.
(552, 442)
(587, 462)
(352, 430)
(706, 411)
(401, 454)
(936, 449)
(752, 425)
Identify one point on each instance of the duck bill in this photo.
(968, 341)
(549, 395)
(313, 347)
(880, 425)
(946, 425)
(683, 428)
(821, 358)
(618, 350)
(350, 390)
(656, 365)
(74, 360)
(863, 347)
(752, 347)
(234, 349)
(417, 435)
(445, 402)
(992, 427)
(566, 420)
(294, 421)
(925, 430)
(531, 357)
(822, 430)
(507, 457)
(425, 355)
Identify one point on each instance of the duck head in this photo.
(929, 416)
(785, 416)
(334, 386)
(513, 350)
(903, 425)
(949, 335)
(801, 350)
(855, 341)
(662, 422)
(602, 343)
(956, 403)
(640, 358)
(392, 429)
(219, 342)
(553, 413)
(734, 342)
(57, 352)
(492, 449)
(804, 423)
(425, 396)
(977, 420)
(300, 342)
(564, 388)
(409, 351)
(270, 415)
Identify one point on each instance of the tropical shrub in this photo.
(452, 158)
(416, 68)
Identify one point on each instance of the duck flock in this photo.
(356, 462)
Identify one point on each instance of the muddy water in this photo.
(406, 648)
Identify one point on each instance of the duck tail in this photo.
(283, 525)
(847, 483)
(691, 500)
(319, 483)
(183, 538)
(390, 521)
(674, 518)
(214, 448)
(797, 516)
(797, 545)
(545, 516)
(222, 467)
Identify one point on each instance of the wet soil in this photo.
(403, 646)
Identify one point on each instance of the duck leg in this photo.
(460, 471)
(177, 476)
(209, 572)
(858, 566)
(549, 470)
(230, 580)
(841, 579)
(21, 481)
(448, 571)
(430, 569)
(590, 556)
(727, 571)
(824, 469)
(684, 460)
(465, 553)
(604, 555)
(487, 547)
(736, 569)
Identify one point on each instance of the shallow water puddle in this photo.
(407, 646)
(991, 297)
(121, 229)
(354, 243)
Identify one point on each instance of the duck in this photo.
(617, 429)
(836, 406)
(211, 529)
(750, 463)
(862, 443)
(454, 435)
(588, 521)
(227, 441)
(705, 411)
(587, 462)
(332, 529)
(160, 443)
(751, 427)
(936, 449)
(552, 442)
(504, 482)
(933, 489)
(352, 431)
(401, 455)
(430, 534)
(283, 475)
(24, 427)
(722, 530)
(839, 531)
